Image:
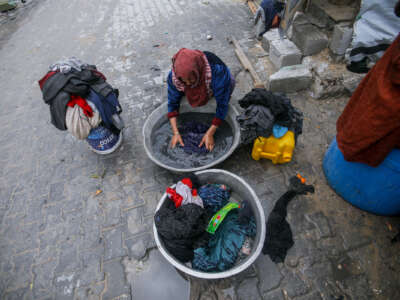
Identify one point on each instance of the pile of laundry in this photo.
(267, 113)
(200, 226)
(192, 134)
(80, 98)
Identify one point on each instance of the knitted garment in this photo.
(224, 246)
(214, 196)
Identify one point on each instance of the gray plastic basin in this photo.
(159, 116)
(240, 191)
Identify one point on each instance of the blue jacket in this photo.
(221, 85)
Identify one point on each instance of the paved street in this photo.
(58, 240)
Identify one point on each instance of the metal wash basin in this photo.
(159, 116)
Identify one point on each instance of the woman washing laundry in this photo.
(199, 76)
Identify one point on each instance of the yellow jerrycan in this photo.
(279, 150)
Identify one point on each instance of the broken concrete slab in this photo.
(341, 2)
(6, 5)
(298, 19)
(351, 81)
(328, 76)
(290, 79)
(341, 39)
(309, 39)
(329, 14)
(268, 37)
(284, 53)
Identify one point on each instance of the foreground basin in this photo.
(159, 116)
(240, 191)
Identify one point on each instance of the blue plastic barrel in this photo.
(374, 189)
(102, 141)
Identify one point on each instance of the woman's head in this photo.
(191, 74)
(188, 67)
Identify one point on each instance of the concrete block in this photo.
(284, 53)
(290, 79)
(341, 39)
(309, 39)
(328, 14)
(268, 37)
(298, 19)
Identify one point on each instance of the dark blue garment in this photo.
(214, 196)
(192, 133)
(224, 246)
(221, 85)
(270, 11)
(107, 106)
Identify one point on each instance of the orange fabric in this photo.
(275, 21)
(369, 127)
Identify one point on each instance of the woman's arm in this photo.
(174, 98)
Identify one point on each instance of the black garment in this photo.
(280, 107)
(57, 89)
(360, 67)
(255, 121)
(396, 239)
(278, 239)
(182, 229)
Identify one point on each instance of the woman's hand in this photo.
(208, 141)
(176, 138)
(208, 138)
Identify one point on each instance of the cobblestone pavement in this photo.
(60, 241)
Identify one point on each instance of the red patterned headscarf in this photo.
(192, 65)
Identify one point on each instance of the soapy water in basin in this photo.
(177, 157)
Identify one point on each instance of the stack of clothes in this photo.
(268, 113)
(182, 222)
(80, 98)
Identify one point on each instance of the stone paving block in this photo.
(132, 198)
(134, 220)
(69, 260)
(332, 246)
(268, 37)
(56, 192)
(151, 198)
(309, 39)
(268, 274)
(113, 243)
(65, 285)
(359, 287)
(294, 285)
(137, 246)
(23, 293)
(323, 270)
(116, 280)
(91, 266)
(351, 81)
(321, 222)
(18, 203)
(312, 296)
(92, 292)
(341, 39)
(22, 276)
(284, 53)
(43, 274)
(112, 212)
(26, 238)
(274, 295)
(353, 239)
(290, 79)
(248, 291)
